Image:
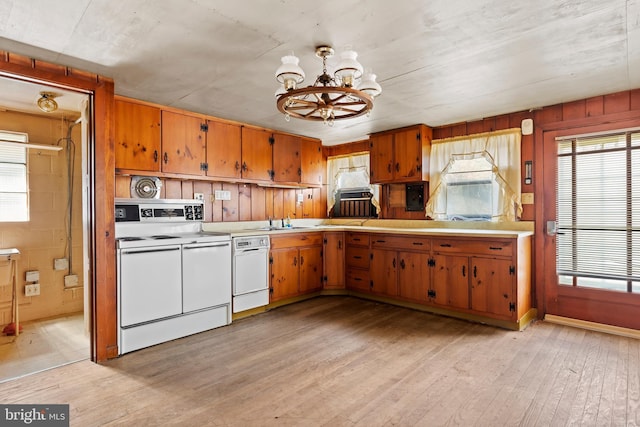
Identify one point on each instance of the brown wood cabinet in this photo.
(184, 143)
(224, 150)
(137, 136)
(400, 155)
(334, 260)
(295, 264)
(286, 158)
(357, 261)
(257, 154)
(476, 276)
(312, 166)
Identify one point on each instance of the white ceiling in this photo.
(438, 61)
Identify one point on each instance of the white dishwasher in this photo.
(250, 272)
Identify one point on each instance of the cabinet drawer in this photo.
(384, 241)
(357, 257)
(296, 239)
(360, 239)
(358, 279)
(482, 247)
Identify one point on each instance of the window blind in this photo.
(13, 178)
(598, 211)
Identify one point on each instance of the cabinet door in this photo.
(224, 149)
(137, 136)
(333, 255)
(310, 269)
(407, 156)
(450, 281)
(384, 272)
(286, 158)
(413, 275)
(284, 274)
(381, 158)
(311, 161)
(183, 144)
(492, 286)
(257, 154)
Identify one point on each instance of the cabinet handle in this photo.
(417, 243)
(244, 166)
(381, 241)
(339, 244)
(357, 279)
(464, 273)
(389, 167)
(356, 239)
(402, 265)
(357, 257)
(495, 248)
(445, 245)
(475, 271)
(295, 261)
(397, 167)
(299, 171)
(166, 158)
(301, 260)
(237, 165)
(394, 263)
(155, 156)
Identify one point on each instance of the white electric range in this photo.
(173, 279)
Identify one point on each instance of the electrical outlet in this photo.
(70, 281)
(198, 196)
(60, 264)
(32, 276)
(222, 195)
(32, 290)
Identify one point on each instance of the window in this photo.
(13, 178)
(471, 190)
(598, 212)
(350, 171)
(476, 177)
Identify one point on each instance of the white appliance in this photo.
(250, 272)
(173, 279)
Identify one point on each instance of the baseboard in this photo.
(592, 326)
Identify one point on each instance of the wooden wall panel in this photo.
(616, 102)
(244, 202)
(594, 106)
(216, 205)
(172, 189)
(258, 204)
(289, 203)
(269, 203)
(230, 207)
(278, 203)
(574, 110)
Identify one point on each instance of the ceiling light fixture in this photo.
(348, 94)
(46, 102)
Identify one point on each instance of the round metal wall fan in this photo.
(144, 187)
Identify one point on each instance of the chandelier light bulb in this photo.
(348, 69)
(369, 85)
(289, 73)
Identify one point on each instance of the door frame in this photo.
(104, 344)
(595, 305)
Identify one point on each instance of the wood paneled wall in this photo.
(249, 202)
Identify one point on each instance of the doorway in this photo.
(54, 241)
(591, 223)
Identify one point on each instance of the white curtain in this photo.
(502, 148)
(357, 166)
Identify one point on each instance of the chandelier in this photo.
(347, 94)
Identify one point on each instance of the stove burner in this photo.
(163, 236)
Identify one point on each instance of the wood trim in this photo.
(592, 326)
(102, 246)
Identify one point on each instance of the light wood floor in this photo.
(43, 344)
(341, 361)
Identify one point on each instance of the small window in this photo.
(471, 190)
(14, 201)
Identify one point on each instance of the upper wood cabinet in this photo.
(311, 161)
(257, 154)
(400, 155)
(137, 136)
(286, 158)
(183, 144)
(224, 149)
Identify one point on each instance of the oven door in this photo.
(150, 283)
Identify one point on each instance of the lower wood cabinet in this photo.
(295, 265)
(478, 276)
(333, 259)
